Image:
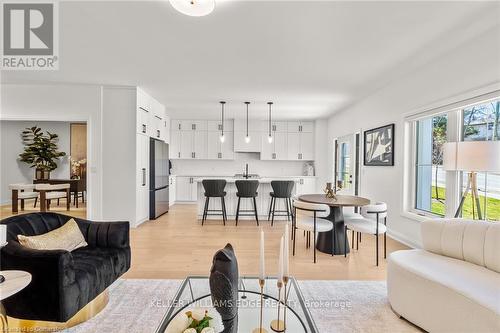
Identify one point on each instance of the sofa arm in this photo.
(48, 265)
(105, 234)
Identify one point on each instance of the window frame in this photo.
(455, 128)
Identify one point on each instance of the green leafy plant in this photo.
(199, 325)
(40, 150)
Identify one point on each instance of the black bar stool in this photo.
(214, 188)
(247, 189)
(282, 189)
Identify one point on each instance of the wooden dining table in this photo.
(325, 240)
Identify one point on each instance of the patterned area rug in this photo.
(137, 306)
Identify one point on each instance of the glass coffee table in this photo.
(195, 290)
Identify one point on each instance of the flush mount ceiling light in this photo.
(222, 138)
(270, 136)
(194, 7)
(247, 137)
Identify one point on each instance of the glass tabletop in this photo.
(195, 291)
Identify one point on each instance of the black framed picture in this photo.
(379, 146)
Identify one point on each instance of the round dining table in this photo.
(326, 240)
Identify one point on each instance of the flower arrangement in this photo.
(196, 321)
(75, 167)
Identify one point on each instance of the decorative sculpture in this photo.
(224, 280)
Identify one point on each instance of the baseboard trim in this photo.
(402, 239)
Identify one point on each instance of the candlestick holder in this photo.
(278, 325)
(285, 283)
(261, 329)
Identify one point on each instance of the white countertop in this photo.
(232, 177)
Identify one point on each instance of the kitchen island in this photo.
(263, 199)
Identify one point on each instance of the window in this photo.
(481, 122)
(430, 183)
(344, 165)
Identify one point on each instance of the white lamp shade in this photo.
(194, 7)
(478, 156)
(450, 156)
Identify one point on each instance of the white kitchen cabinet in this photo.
(165, 132)
(307, 146)
(187, 141)
(142, 177)
(193, 125)
(200, 145)
(277, 149)
(306, 185)
(186, 189)
(176, 125)
(227, 148)
(300, 146)
(276, 126)
(175, 145)
(217, 150)
(143, 121)
(300, 126)
(172, 190)
(216, 125)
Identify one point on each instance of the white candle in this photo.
(262, 266)
(286, 259)
(3, 234)
(280, 262)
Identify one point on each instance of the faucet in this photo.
(246, 171)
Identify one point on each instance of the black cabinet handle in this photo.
(157, 133)
(179, 126)
(143, 128)
(143, 176)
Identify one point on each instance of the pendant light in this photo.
(270, 136)
(194, 7)
(222, 138)
(247, 137)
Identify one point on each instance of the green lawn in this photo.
(493, 205)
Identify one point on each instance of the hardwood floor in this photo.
(176, 245)
(81, 211)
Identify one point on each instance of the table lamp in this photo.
(471, 157)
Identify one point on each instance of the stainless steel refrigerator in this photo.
(158, 182)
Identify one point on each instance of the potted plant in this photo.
(40, 151)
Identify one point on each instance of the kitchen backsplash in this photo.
(229, 168)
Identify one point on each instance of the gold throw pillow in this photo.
(68, 237)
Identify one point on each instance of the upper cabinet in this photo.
(300, 127)
(152, 119)
(197, 139)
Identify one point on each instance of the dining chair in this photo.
(50, 192)
(370, 223)
(22, 192)
(309, 217)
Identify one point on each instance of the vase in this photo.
(41, 174)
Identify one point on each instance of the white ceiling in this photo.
(310, 58)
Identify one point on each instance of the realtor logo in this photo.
(29, 37)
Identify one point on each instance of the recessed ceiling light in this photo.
(194, 7)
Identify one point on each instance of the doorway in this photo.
(18, 176)
(346, 169)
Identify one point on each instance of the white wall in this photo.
(12, 169)
(468, 67)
